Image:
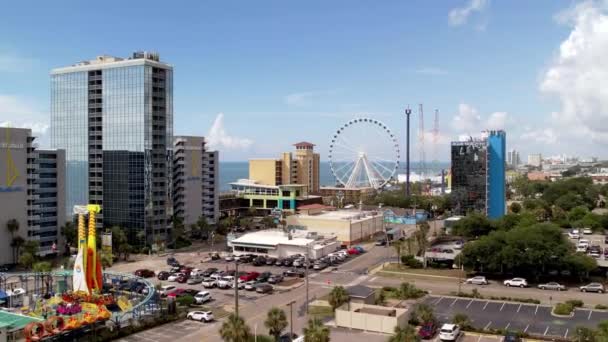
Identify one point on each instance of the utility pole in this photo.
(306, 260)
(290, 304)
(236, 288)
(408, 111)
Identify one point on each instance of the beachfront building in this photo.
(267, 197)
(278, 244)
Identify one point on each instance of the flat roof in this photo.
(15, 321)
(352, 215)
(271, 238)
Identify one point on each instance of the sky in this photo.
(257, 76)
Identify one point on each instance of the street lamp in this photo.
(290, 304)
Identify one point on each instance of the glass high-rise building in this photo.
(478, 174)
(114, 118)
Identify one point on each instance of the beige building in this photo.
(348, 226)
(299, 168)
(367, 317)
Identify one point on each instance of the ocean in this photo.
(233, 171)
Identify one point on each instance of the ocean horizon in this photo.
(231, 171)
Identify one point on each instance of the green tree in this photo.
(337, 297)
(12, 226)
(42, 266)
(577, 213)
(203, 226)
(515, 208)
(106, 259)
(26, 260)
(234, 329)
(185, 300)
(404, 334)
(462, 320)
(425, 313)
(70, 235)
(119, 241)
(316, 331)
(178, 229)
(16, 243)
(32, 247)
(276, 322)
(398, 246)
(473, 226)
(584, 334)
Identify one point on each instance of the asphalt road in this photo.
(533, 319)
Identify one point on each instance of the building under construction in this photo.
(478, 174)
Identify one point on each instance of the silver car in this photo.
(593, 287)
(479, 280)
(552, 286)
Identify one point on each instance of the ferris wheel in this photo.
(364, 152)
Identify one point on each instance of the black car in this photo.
(259, 261)
(209, 271)
(512, 337)
(263, 277)
(245, 259)
(163, 275)
(191, 292)
(171, 261)
(294, 272)
(271, 261)
(288, 262)
(275, 279)
(287, 338)
(215, 256)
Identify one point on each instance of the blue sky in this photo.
(286, 71)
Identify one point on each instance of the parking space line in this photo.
(535, 311)
(438, 300)
(454, 302)
(373, 279)
(519, 308)
(479, 339)
(546, 330)
(487, 325)
(470, 302)
(566, 334)
(527, 326)
(590, 312)
(484, 307)
(503, 305)
(508, 325)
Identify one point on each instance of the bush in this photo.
(409, 291)
(411, 261)
(185, 300)
(563, 309)
(575, 303)
(601, 307)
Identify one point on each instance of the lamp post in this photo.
(236, 287)
(290, 304)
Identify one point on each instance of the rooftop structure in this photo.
(277, 243)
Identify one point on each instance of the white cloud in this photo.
(434, 71)
(497, 120)
(21, 113)
(219, 139)
(578, 75)
(460, 15)
(299, 99)
(545, 136)
(467, 120)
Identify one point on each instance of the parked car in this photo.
(583, 242)
(287, 338)
(427, 330)
(229, 258)
(215, 256)
(552, 286)
(279, 262)
(208, 272)
(275, 279)
(202, 297)
(380, 242)
(191, 292)
(144, 273)
(593, 287)
(250, 285)
(264, 277)
(259, 261)
(458, 245)
(360, 249)
(182, 278)
(203, 316)
(249, 276)
(298, 262)
(449, 332)
(511, 337)
(573, 235)
(581, 249)
(353, 251)
(294, 272)
(595, 254)
(263, 288)
(271, 261)
(186, 269)
(177, 293)
(194, 280)
(225, 282)
(478, 280)
(175, 269)
(587, 231)
(171, 261)
(163, 275)
(174, 276)
(518, 282)
(606, 239)
(209, 283)
(320, 266)
(287, 262)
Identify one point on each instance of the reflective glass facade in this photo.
(69, 131)
(124, 125)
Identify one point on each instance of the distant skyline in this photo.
(256, 77)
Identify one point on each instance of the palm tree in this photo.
(407, 333)
(234, 329)
(276, 322)
(337, 297)
(425, 313)
(398, 245)
(584, 334)
(316, 331)
(16, 244)
(12, 226)
(461, 319)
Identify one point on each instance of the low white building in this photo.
(278, 244)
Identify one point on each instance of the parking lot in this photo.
(533, 319)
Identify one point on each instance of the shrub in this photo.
(462, 320)
(575, 303)
(185, 300)
(409, 291)
(564, 309)
(411, 261)
(601, 307)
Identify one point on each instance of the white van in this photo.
(225, 282)
(166, 290)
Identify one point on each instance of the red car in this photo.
(144, 273)
(183, 278)
(353, 251)
(427, 330)
(249, 276)
(185, 269)
(177, 293)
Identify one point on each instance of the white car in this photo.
(203, 316)
(582, 249)
(458, 245)
(225, 282)
(478, 280)
(209, 283)
(583, 242)
(174, 276)
(573, 235)
(216, 276)
(587, 231)
(517, 282)
(449, 332)
(166, 289)
(250, 285)
(229, 258)
(202, 297)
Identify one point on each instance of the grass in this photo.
(321, 311)
(428, 271)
